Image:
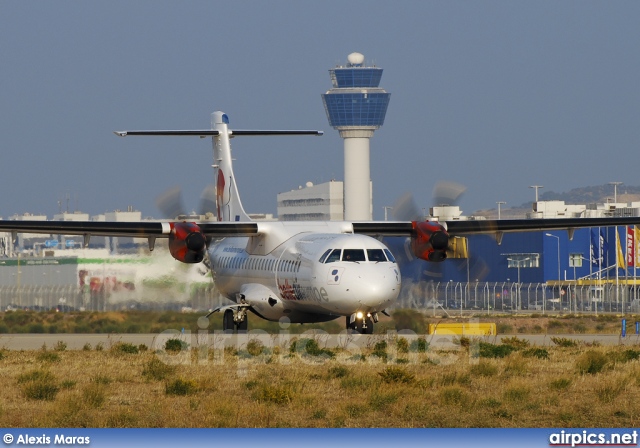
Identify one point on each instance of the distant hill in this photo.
(584, 195)
(590, 195)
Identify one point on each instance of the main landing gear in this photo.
(361, 323)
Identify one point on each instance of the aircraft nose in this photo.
(379, 288)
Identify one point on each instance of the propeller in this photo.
(171, 205)
(405, 209)
(430, 241)
(447, 193)
(444, 193)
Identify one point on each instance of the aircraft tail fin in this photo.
(228, 204)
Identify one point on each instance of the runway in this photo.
(219, 339)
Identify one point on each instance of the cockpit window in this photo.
(353, 255)
(324, 255)
(376, 255)
(334, 256)
(390, 256)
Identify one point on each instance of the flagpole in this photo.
(617, 273)
(592, 258)
(600, 258)
(635, 262)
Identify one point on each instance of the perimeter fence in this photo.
(490, 297)
(436, 297)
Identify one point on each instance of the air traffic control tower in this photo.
(356, 107)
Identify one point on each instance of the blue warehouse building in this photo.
(537, 254)
(540, 265)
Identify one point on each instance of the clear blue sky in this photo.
(497, 95)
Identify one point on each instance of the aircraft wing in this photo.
(463, 228)
(491, 226)
(430, 239)
(153, 229)
(139, 229)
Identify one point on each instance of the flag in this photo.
(637, 238)
(630, 246)
(596, 248)
(458, 248)
(620, 259)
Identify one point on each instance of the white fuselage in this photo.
(308, 277)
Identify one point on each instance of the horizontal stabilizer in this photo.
(212, 132)
(201, 133)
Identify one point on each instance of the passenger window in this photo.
(324, 255)
(353, 255)
(376, 255)
(334, 256)
(390, 256)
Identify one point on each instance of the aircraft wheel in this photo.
(227, 321)
(369, 327)
(244, 324)
(352, 328)
(358, 325)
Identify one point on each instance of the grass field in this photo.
(393, 383)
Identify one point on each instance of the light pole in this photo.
(499, 204)
(386, 209)
(558, 241)
(615, 190)
(537, 187)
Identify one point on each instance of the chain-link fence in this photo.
(516, 297)
(426, 296)
(199, 297)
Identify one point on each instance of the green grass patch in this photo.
(454, 396)
(536, 352)
(309, 348)
(338, 372)
(517, 394)
(157, 370)
(273, 393)
(125, 348)
(483, 368)
(591, 362)
(38, 385)
(255, 347)
(175, 345)
(516, 342)
(49, 357)
(181, 387)
(94, 395)
(564, 342)
(560, 383)
(488, 350)
(396, 375)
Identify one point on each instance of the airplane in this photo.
(296, 272)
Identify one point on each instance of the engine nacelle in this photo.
(429, 241)
(187, 243)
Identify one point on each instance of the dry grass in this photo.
(114, 388)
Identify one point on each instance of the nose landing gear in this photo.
(235, 318)
(233, 321)
(361, 323)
